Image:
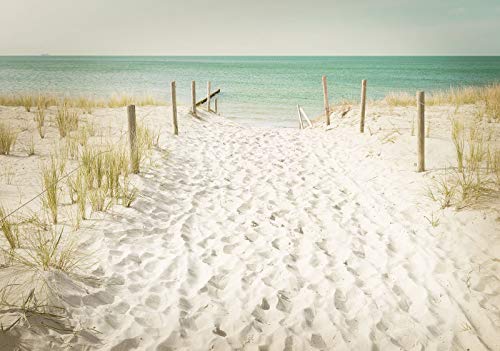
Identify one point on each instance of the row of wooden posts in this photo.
(132, 120)
(420, 119)
(134, 159)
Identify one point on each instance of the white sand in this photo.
(281, 239)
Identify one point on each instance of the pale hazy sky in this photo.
(251, 27)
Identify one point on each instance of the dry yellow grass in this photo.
(66, 120)
(486, 97)
(51, 173)
(43, 101)
(9, 229)
(476, 175)
(40, 121)
(7, 139)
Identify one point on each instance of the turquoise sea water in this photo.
(255, 89)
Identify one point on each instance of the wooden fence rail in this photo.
(202, 101)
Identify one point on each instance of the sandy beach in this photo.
(257, 238)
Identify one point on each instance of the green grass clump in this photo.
(66, 120)
(30, 147)
(9, 229)
(476, 175)
(40, 121)
(27, 102)
(99, 199)
(51, 173)
(7, 139)
(457, 135)
(128, 193)
(50, 249)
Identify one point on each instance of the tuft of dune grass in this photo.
(487, 97)
(8, 229)
(7, 139)
(477, 172)
(86, 104)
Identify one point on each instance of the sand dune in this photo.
(281, 239)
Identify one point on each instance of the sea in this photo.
(254, 89)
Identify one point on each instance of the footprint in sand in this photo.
(265, 305)
(153, 301)
(317, 341)
(219, 331)
(284, 304)
(340, 300)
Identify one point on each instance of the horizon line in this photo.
(243, 55)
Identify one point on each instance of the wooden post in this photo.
(174, 109)
(325, 97)
(215, 107)
(208, 96)
(363, 106)
(193, 97)
(132, 135)
(301, 124)
(421, 131)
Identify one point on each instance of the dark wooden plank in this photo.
(202, 101)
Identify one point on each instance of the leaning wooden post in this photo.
(193, 97)
(174, 109)
(325, 98)
(208, 96)
(363, 106)
(215, 107)
(132, 136)
(421, 131)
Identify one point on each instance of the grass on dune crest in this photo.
(476, 173)
(86, 104)
(82, 176)
(487, 97)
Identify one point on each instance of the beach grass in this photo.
(8, 138)
(51, 172)
(30, 147)
(66, 120)
(475, 175)
(40, 121)
(9, 229)
(487, 97)
(86, 104)
(98, 176)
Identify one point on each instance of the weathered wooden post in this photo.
(208, 96)
(325, 98)
(215, 107)
(363, 106)
(193, 97)
(421, 131)
(132, 136)
(174, 109)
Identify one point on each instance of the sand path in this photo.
(274, 239)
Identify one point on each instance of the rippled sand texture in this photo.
(281, 239)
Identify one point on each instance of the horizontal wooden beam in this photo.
(202, 101)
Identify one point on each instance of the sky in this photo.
(250, 27)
